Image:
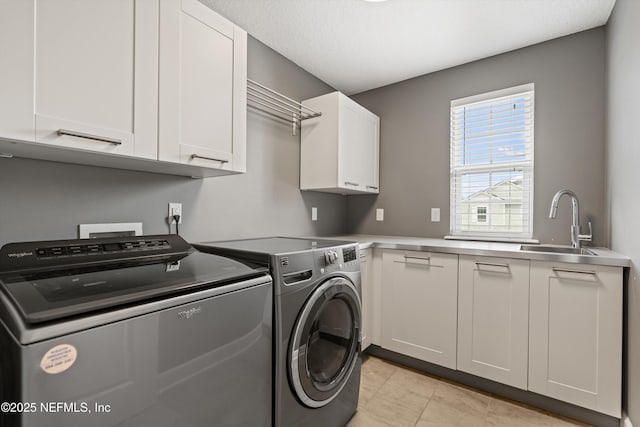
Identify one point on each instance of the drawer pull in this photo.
(406, 257)
(6, 155)
(490, 264)
(372, 187)
(354, 184)
(568, 270)
(419, 262)
(197, 156)
(113, 141)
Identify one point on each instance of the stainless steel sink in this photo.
(557, 249)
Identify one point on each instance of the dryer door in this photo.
(326, 342)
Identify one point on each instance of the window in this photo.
(492, 164)
(481, 214)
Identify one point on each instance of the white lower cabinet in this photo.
(575, 335)
(366, 261)
(548, 327)
(493, 318)
(419, 305)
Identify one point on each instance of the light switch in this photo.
(314, 214)
(435, 214)
(379, 214)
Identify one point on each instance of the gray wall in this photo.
(46, 200)
(623, 173)
(569, 77)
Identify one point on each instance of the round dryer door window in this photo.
(326, 342)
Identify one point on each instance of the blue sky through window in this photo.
(493, 133)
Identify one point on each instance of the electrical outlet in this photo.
(314, 214)
(175, 209)
(435, 214)
(379, 214)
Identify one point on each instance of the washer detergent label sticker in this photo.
(59, 359)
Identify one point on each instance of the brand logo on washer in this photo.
(188, 314)
(20, 254)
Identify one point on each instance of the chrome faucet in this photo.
(576, 237)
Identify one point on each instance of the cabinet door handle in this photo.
(354, 184)
(490, 264)
(406, 257)
(89, 136)
(6, 155)
(415, 260)
(197, 156)
(568, 270)
(426, 261)
(372, 187)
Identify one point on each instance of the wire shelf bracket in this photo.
(278, 105)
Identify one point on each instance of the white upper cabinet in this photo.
(493, 318)
(95, 75)
(146, 80)
(16, 72)
(339, 150)
(203, 77)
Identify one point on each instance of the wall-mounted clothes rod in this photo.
(278, 105)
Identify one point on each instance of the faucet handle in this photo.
(587, 237)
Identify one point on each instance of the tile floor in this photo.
(392, 395)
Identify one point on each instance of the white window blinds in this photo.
(492, 164)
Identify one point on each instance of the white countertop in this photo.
(603, 256)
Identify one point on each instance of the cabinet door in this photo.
(493, 318)
(575, 335)
(202, 87)
(419, 304)
(370, 153)
(16, 73)
(96, 75)
(352, 146)
(359, 140)
(366, 281)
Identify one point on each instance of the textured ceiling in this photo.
(355, 45)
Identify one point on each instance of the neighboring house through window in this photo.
(492, 164)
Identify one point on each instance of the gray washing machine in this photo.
(136, 331)
(317, 318)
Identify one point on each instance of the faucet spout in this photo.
(574, 203)
(576, 237)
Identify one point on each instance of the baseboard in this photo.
(625, 421)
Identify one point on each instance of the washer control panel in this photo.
(331, 257)
(349, 254)
(344, 258)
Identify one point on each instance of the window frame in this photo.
(457, 171)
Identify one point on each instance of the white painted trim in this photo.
(501, 93)
(625, 421)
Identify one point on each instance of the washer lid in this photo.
(43, 296)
